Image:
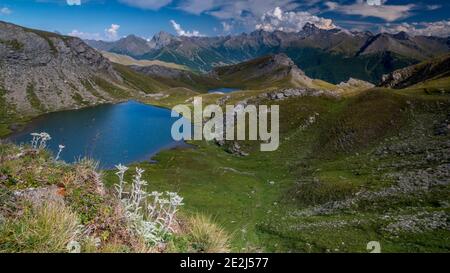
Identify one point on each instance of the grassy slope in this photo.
(336, 154)
(138, 81)
(56, 198)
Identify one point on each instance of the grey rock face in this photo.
(355, 83)
(43, 71)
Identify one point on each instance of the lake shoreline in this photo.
(21, 131)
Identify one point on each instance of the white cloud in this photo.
(73, 2)
(374, 8)
(5, 11)
(433, 7)
(291, 21)
(112, 31)
(110, 34)
(226, 27)
(235, 9)
(375, 2)
(86, 35)
(147, 4)
(181, 32)
(438, 28)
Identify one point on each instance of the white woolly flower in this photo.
(61, 147)
(39, 140)
(149, 215)
(74, 247)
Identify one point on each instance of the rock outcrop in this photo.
(411, 75)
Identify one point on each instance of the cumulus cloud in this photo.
(110, 34)
(291, 21)
(234, 9)
(181, 32)
(112, 31)
(73, 2)
(226, 27)
(438, 28)
(147, 4)
(5, 11)
(374, 8)
(246, 14)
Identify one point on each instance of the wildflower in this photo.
(44, 138)
(61, 147)
(149, 215)
(35, 140)
(120, 173)
(39, 140)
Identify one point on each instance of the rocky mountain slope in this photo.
(332, 55)
(435, 69)
(267, 71)
(43, 71)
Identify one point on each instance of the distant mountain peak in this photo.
(162, 35)
(310, 27)
(401, 35)
(162, 39)
(132, 38)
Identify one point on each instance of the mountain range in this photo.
(44, 71)
(332, 55)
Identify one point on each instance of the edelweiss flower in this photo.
(121, 168)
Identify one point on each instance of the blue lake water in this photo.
(112, 134)
(223, 90)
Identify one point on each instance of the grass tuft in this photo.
(45, 228)
(206, 236)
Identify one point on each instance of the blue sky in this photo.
(113, 19)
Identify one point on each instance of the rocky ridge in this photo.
(43, 71)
